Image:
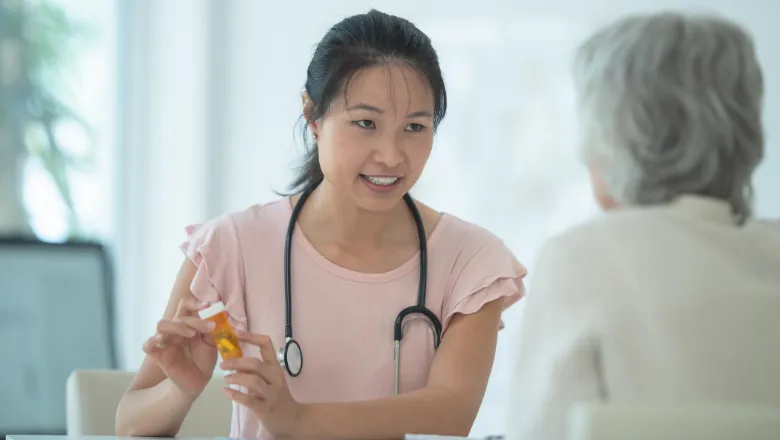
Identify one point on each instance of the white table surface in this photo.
(108, 437)
(99, 437)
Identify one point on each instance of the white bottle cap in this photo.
(213, 309)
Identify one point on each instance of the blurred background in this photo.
(122, 121)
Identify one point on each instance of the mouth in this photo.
(381, 184)
(381, 180)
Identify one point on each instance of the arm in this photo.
(153, 405)
(447, 406)
(558, 349)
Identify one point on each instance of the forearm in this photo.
(157, 411)
(427, 411)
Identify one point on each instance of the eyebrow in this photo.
(371, 108)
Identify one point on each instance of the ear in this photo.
(308, 111)
(599, 189)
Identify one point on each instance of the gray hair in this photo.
(670, 104)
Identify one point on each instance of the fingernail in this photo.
(210, 325)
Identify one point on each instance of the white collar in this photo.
(707, 208)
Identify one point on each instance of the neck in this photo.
(335, 219)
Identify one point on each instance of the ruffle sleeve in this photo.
(491, 273)
(214, 248)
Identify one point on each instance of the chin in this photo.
(378, 204)
(369, 201)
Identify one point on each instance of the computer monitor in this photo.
(55, 316)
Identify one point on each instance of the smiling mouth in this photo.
(381, 180)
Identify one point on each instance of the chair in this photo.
(93, 396)
(673, 422)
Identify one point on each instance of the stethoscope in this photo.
(290, 356)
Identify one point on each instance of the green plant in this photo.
(36, 44)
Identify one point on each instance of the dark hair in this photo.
(357, 42)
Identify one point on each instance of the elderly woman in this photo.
(674, 294)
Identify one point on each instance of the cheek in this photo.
(418, 151)
(340, 154)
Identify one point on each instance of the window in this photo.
(80, 81)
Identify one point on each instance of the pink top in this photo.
(343, 319)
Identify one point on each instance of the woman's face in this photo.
(374, 146)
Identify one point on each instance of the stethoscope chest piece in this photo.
(291, 357)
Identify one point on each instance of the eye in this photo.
(415, 128)
(365, 124)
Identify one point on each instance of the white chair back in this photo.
(93, 397)
(641, 422)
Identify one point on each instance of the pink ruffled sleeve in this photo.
(214, 248)
(491, 273)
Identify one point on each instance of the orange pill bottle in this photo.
(223, 335)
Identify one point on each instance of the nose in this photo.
(389, 153)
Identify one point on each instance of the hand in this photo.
(263, 379)
(179, 348)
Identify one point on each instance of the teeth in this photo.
(381, 180)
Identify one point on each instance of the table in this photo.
(100, 437)
(108, 437)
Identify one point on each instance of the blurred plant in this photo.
(36, 39)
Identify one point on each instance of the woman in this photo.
(373, 97)
(674, 294)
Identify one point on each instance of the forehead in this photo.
(396, 86)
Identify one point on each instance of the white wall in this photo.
(216, 134)
(162, 159)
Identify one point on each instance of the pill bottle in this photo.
(223, 335)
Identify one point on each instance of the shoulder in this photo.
(247, 224)
(613, 227)
(481, 267)
(215, 247)
(468, 241)
(765, 227)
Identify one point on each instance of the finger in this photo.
(174, 328)
(266, 345)
(170, 340)
(263, 370)
(246, 365)
(199, 325)
(161, 340)
(151, 346)
(189, 306)
(270, 372)
(154, 345)
(255, 385)
(245, 399)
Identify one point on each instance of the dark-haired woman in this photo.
(374, 96)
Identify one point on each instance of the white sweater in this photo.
(671, 303)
